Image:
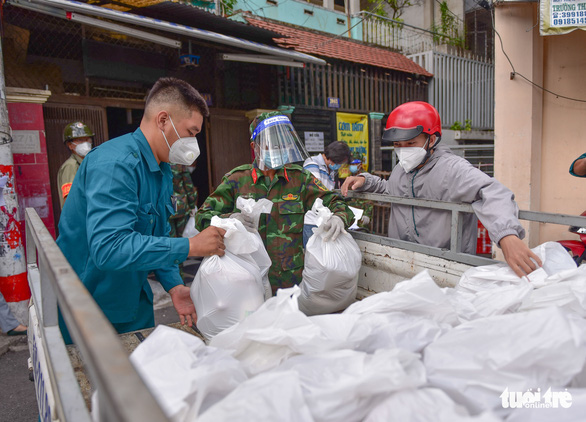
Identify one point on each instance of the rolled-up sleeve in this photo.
(572, 166)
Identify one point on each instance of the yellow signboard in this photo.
(562, 16)
(353, 129)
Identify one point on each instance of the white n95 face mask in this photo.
(83, 148)
(411, 157)
(184, 150)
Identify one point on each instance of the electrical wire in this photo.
(515, 73)
(252, 5)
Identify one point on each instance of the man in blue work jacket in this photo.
(114, 226)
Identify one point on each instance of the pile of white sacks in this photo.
(495, 348)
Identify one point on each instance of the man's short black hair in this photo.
(338, 152)
(173, 90)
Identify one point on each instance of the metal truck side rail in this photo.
(457, 210)
(123, 396)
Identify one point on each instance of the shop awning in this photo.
(75, 9)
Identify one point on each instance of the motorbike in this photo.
(576, 248)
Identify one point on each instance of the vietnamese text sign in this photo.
(26, 142)
(314, 141)
(562, 16)
(353, 129)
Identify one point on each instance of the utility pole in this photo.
(348, 20)
(13, 280)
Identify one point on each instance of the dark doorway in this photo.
(123, 120)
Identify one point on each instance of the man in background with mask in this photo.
(292, 190)
(429, 171)
(78, 138)
(367, 207)
(325, 166)
(114, 229)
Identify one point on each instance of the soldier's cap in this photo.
(262, 117)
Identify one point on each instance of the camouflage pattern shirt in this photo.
(185, 198)
(293, 192)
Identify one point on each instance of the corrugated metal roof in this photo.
(327, 45)
(187, 14)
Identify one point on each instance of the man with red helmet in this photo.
(429, 171)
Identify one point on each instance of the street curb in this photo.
(6, 342)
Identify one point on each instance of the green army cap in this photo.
(76, 130)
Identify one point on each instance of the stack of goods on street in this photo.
(494, 348)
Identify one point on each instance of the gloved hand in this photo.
(246, 220)
(333, 228)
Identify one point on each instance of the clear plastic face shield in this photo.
(276, 143)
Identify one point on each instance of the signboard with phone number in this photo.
(562, 16)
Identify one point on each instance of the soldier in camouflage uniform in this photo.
(293, 192)
(185, 198)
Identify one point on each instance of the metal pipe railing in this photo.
(123, 394)
(457, 210)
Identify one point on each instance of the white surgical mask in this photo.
(83, 148)
(184, 150)
(411, 157)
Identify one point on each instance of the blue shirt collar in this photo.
(148, 155)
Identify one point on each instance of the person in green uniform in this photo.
(78, 138)
(291, 189)
(184, 198)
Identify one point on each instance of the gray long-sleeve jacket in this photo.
(447, 177)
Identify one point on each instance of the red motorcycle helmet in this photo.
(411, 119)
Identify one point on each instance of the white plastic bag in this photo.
(418, 296)
(567, 289)
(260, 256)
(276, 331)
(266, 397)
(553, 256)
(424, 405)
(476, 361)
(330, 274)
(227, 289)
(190, 230)
(184, 375)
(396, 330)
(343, 385)
(498, 301)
